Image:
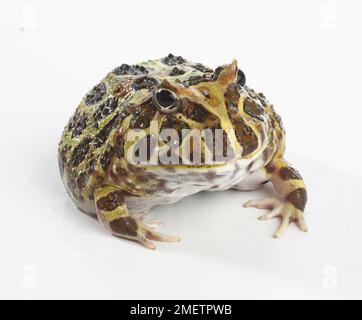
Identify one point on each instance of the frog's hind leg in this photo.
(113, 213)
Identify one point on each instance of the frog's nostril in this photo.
(166, 100)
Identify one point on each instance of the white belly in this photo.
(188, 181)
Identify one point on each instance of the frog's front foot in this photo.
(135, 229)
(112, 211)
(147, 232)
(277, 208)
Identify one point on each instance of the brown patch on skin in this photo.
(124, 226)
(142, 182)
(246, 137)
(144, 83)
(171, 122)
(105, 109)
(232, 97)
(245, 134)
(270, 167)
(212, 122)
(96, 94)
(123, 88)
(121, 172)
(103, 135)
(298, 198)
(142, 115)
(202, 68)
(77, 124)
(143, 178)
(81, 151)
(289, 173)
(126, 69)
(194, 111)
(172, 60)
(253, 109)
(110, 202)
(106, 157)
(176, 72)
(194, 80)
(119, 146)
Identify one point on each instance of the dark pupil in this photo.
(165, 98)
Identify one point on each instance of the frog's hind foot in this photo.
(278, 208)
(113, 213)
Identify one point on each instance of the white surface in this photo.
(304, 55)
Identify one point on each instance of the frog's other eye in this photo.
(166, 100)
(241, 78)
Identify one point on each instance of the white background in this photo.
(304, 55)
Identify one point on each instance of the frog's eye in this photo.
(241, 78)
(166, 100)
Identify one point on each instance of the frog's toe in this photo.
(147, 243)
(267, 203)
(147, 233)
(143, 233)
(289, 214)
(278, 208)
(154, 225)
(272, 214)
(301, 222)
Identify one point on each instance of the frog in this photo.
(173, 93)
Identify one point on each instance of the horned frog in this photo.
(177, 94)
